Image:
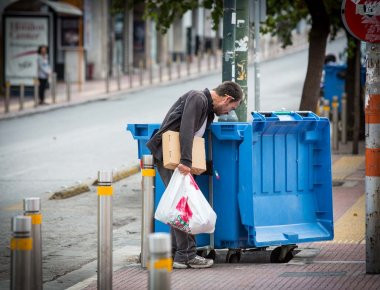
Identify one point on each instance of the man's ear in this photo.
(228, 99)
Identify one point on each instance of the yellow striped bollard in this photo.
(160, 262)
(32, 208)
(105, 192)
(147, 222)
(21, 253)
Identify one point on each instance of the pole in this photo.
(150, 72)
(54, 87)
(335, 120)
(160, 262)
(356, 132)
(105, 230)
(107, 81)
(130, 75)
(344, 118)
(21, 253)
(229, 21)
(36, 92)
(68, 87)
(7, 96)
(257, 55)
(170, 69)
(32, 208)
(118, 71)
(241, 55)
(141, 72)
(178, 62)
(372, 180)
(21, 97)
(147, 225)
(188, 60)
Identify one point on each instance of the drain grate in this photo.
(313, 274)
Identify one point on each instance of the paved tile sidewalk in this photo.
(336, 267)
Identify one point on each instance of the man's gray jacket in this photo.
(186, 116)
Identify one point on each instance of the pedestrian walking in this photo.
(190, 115)
(44, 72)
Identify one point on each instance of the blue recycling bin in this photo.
(334, 81)
(271, 180)
(273, 184)
(142, 133)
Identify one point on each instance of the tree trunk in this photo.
(350, 91)
(319, 32)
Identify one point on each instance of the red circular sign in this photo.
(362, 19)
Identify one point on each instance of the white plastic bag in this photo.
(184, 207)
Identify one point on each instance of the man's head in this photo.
(226, 97)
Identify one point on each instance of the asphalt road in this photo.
(41, 153)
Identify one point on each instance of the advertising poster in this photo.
(23, 35)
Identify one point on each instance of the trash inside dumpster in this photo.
(271, 179)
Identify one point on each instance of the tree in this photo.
(283, 18)
(324, 17)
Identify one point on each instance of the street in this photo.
(41, 153)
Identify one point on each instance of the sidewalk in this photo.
(337, 264)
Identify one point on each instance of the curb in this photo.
(85, 187)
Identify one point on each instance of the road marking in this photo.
(350, 228)
(346, 166)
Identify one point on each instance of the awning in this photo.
(62, 8)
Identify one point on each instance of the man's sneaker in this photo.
(197, 262)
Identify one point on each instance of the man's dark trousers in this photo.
(183, 244)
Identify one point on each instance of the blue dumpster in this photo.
(334, 81)
(271, 180)
(274, 180)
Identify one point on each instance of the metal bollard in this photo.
(68, 88)
(170, 69)
(344, 118)
(130, 75)
(147, 224)
(150, 72)
(36, 92)
(54, 87)
(178, 61)
(21, 253)
(107, 81)
(326, 109)
(199, 62)
(105, 230)
(160, 72)
(208, 61)
(21, 97)
(188, 65)
(118, 71)
(7, 96)
(335, 121)
(160, 262)
(141, 72)
(216, 60)
(32, 208)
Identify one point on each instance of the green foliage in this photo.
(283, 17)
(165, 12)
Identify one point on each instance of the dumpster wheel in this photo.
(211, 255)
(282, 254)
(233, 256)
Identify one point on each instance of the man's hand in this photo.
(183, 169)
